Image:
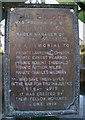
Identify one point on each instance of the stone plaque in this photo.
(42, 73)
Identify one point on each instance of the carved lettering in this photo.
(42, 59)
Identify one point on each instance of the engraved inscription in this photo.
(42, 59)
